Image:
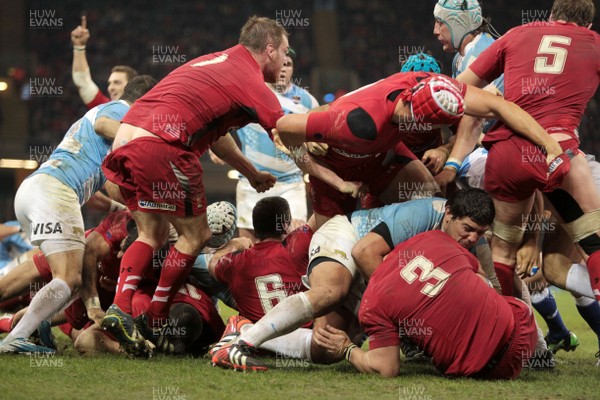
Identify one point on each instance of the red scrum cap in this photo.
(435, 100)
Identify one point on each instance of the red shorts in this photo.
(521, 347)
(157, 177)
(516, 167)
(40, 262)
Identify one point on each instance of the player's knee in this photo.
(326, 298)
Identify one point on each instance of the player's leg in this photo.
(194, 233)
(18, 280)
(56, 225)
(508, 234)
(245, 198)
(578, 202)
(331, 272)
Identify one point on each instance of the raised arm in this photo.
(82, 77)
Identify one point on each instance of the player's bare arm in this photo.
(95, 248)
(369, 252)
(384, 360)
(227, 150)
(237, 244)
(82, 77)
(479, 103)
(107, 127)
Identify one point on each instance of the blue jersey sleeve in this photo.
(113, 110)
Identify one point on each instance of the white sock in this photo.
(541, 343)
(583, 301)
(47, 301)
(295, 344)
(578, 281)
(287, 316)
(540, 296)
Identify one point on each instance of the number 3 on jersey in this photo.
(427, 273)
(542, 66)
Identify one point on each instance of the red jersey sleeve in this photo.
(381, 330)
(113, 229)
(96, 101)
(225, 266)
(490, 63)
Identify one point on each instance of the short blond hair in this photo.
(257, 32)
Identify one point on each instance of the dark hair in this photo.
(189, 322)
(271, 217)
(137, 87)
(581, 12)
(474, 203)
(130, 72)
(257, 32)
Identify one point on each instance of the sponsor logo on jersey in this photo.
(351, 155)
(151, 205)
(315, 250)
(48, 227)
(341, 254)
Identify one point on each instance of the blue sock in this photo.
(545, 305)
(590, 311)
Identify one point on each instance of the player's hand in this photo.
(262, 181)
(279, 143)
(244, 242)
(444, 178)
(354, 189)
(434, 160)
(80, 35)
(214, 158)
(95, 314)
(107, 283)
(318, 149)
(333, 340)
(296, 223)
(527, 258)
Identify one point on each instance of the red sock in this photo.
(134, 263)
(6, 323)
(593, 266)
(174, 272)
(505, 274)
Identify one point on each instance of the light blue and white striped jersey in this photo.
(13, 245)
(259, 148)
(472, 170)
(77, 159)
(404, 220)
(472, 51)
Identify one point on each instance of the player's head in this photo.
(287, 71)
(268, 42)
(120, 75)
(435, 100)
(137, 87)
(454, 20)
(469, 214)
(421, 62)
(271, 218)
(581, 12)
(186, 329)
(222, 221)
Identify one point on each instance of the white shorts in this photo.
(47, 209)
(247, 197)
(335, 239)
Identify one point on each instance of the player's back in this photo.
(205, 98)
(267, 273)
(551, 70)
(427, 286)
(78, 158)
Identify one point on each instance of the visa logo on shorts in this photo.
(156, 206)
(48, 227)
